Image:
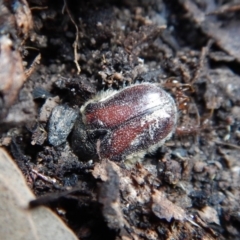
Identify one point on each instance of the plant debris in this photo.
(57, 56)
(17, 221)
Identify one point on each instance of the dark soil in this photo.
(187, 189)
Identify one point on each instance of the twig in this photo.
(43, 177)
(75, 44)
(38, 8)
(36, 61)
(228, 144)
(202, 58)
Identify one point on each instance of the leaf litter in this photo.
(189, 188)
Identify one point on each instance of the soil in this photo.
(57, 55)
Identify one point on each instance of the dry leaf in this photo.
(225, 35)
(209, 215)
(15, 24)
(165, 209)
(23, 18)
(17, 221)
(109, 197)
(12, 74)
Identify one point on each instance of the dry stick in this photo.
(228, 144)
(32, 67)
(43, 177)
(234, 7)
(38, 8)
(75, 44)
(202, 58)
(54, 197)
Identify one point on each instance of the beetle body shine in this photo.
(128, 123)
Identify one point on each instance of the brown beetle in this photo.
(125, 124)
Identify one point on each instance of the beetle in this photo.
(126, 124)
